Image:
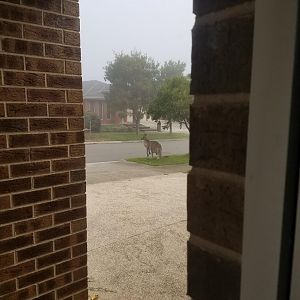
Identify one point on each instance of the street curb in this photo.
(138, 141)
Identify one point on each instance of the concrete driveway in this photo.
(137, 232)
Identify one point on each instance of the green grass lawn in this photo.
(164, 161)
(131, 136)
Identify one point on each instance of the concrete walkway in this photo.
(137, 233)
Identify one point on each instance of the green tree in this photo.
(171, 69)
(172, 102)
(133, 81)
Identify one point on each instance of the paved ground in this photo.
(122, 170)
(117, 151)
(137, 231)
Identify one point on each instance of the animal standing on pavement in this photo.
(152, 147)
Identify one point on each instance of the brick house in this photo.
(94, 101)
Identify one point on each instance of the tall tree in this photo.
(133, 80)
(171, 69)
(172, 102)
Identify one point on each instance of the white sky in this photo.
(160, 28)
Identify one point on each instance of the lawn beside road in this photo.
(131, 136)
(164, 161)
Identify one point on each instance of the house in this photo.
(94, 101)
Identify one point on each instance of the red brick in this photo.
(68, 164)
(69, 190)
(50, 207)
(49, 296)
(24, 79)
(77, 150)
(82, 295)
(31, 197)
(48, 124)
(76, 123)
(11, 62)
(68, 82)
(73, 68)
(48, 153)
(78, 225)
(2, 110)
(27, 293)
(63, 22)
(20, 14)
(79, 250)
(33, 225)
(51, 180)
(28, 140)
(22, 47)
(4, 172)
(37, 95)
(35, 277)
(26, 110)
(67, 138)
(50, 5)
(14, 156)
(78, 201)
(77, 176)
(72, 38)
(3, 144)
(53, 258)
(16, 185)
(8, 287)
(70, 215)
(44, 65)
(72, 288)
(7, 260)
(8, 94)
(80, 273)
(15, 243)
(55, 283)
(38, 33)
(10, 29)
(11, 125)
(4, 202)
(5, 232)
(75, 97)
(34, 251)
(71, 240)
(30, 169)
(65, 110)
(64, 52)
(70, 265)
(52, 233)
(9, 216)
(71, 8)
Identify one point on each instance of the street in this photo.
(116, 151)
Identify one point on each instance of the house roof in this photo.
(94, 89)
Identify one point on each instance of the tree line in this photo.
(146, 88)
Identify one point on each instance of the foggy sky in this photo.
(160, 28)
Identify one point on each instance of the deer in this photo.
(152, 147)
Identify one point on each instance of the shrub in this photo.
(92, 121)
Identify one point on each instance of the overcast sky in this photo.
(160, 28)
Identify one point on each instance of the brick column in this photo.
(221, 71)
(42, 164)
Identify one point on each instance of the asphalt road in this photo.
(104, 152)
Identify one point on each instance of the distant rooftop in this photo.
(94, 89)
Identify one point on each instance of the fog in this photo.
(160, 28)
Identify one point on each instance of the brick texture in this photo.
(42, 165)
(220, 81)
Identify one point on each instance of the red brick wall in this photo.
(221, 74)
(42, 164)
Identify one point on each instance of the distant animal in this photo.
(152, 147)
